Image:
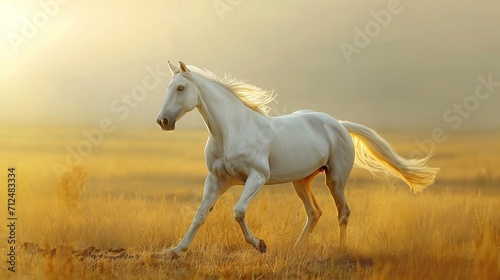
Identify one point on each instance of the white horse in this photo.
(246, 147)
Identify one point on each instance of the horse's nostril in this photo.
(162, 122)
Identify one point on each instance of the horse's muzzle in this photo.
(165, 124)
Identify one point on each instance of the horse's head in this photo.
(182, 97)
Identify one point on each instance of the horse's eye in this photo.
(180, 88)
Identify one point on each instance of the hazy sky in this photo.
(69, 63)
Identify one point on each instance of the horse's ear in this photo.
(183, 67)
(173, 69)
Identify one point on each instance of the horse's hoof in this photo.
(261, 246)
(171, 255)
(166, 255)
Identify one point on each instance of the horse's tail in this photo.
(376, 155)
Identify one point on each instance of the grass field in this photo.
(134, 195)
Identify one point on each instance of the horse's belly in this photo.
(292, 164)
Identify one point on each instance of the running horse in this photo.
(247, 147)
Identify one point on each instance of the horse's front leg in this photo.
(213, 190)
(253, 184)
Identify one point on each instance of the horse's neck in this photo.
(222, 112)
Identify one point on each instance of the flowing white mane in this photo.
(253, 97)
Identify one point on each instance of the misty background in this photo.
(88, 54)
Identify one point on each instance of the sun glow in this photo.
(11, 24)
(11, 20)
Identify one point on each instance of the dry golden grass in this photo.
(136, 193)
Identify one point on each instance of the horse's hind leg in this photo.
(337, 191)
(304, 191)
(336, 179)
